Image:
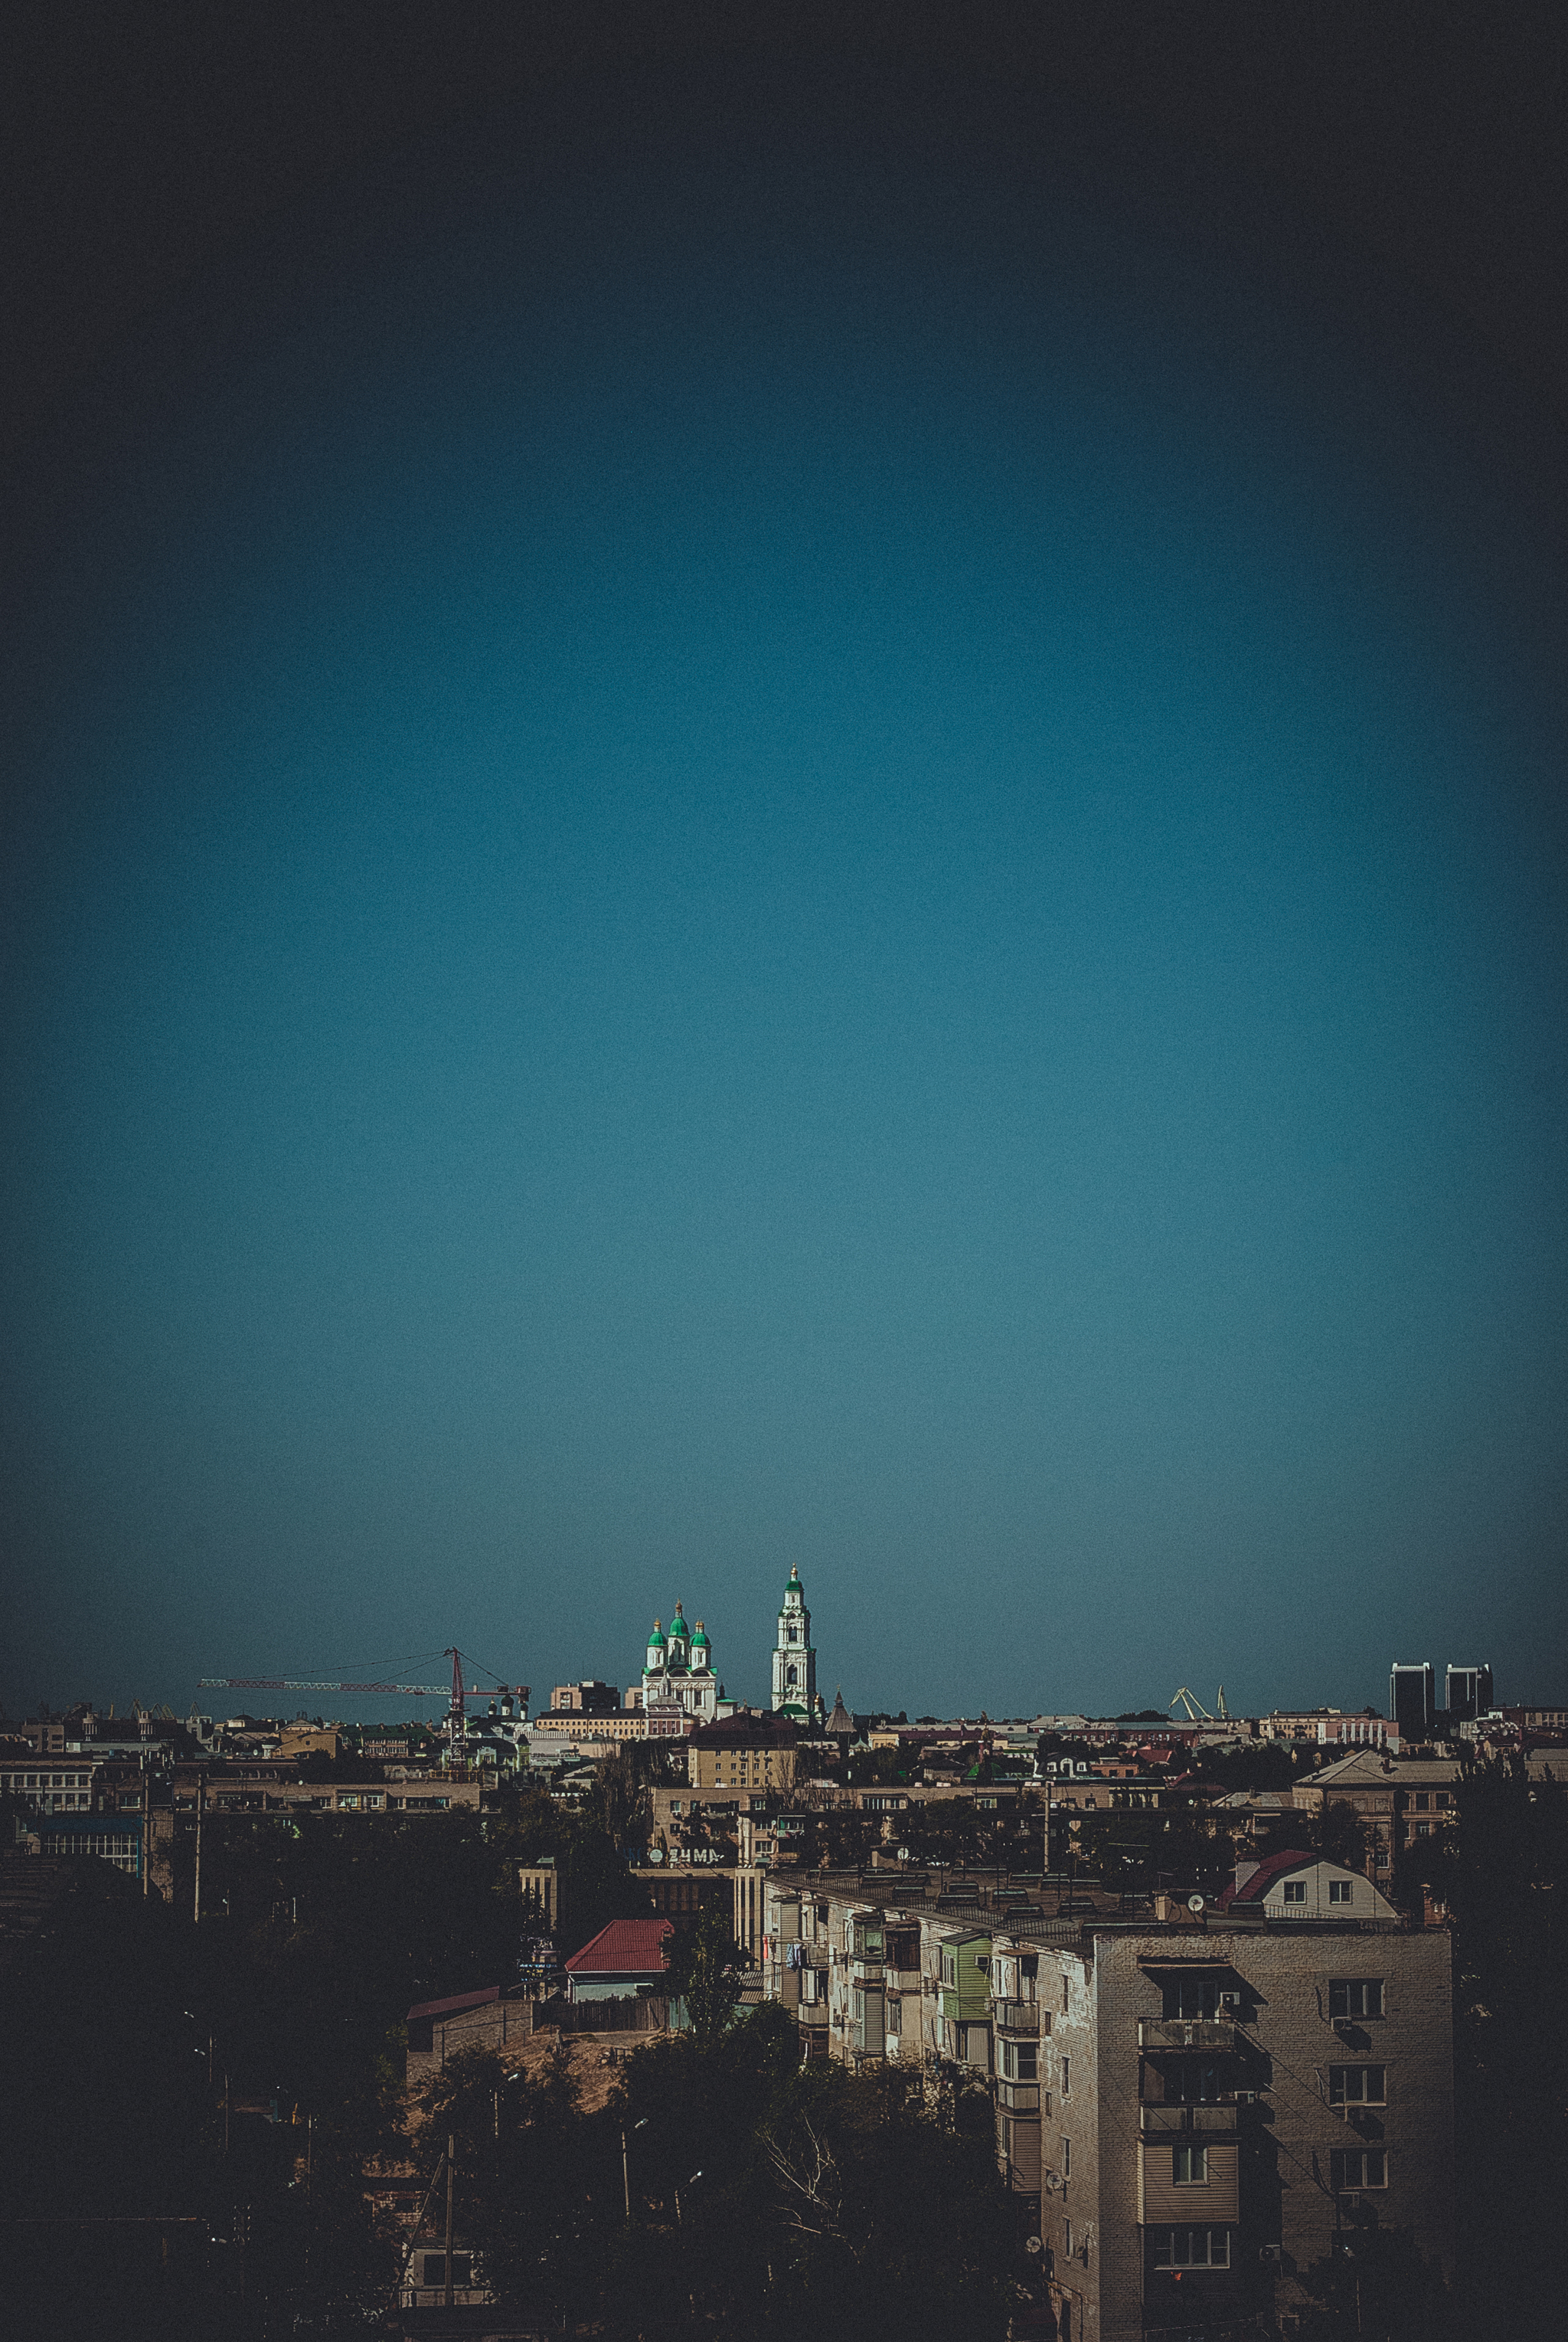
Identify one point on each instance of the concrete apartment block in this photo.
(1219, 2105)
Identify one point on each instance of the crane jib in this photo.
(298, 1683)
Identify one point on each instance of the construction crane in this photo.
(1196, 1712)
(311, 1683)
(457, 1714)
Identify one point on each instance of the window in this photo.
(1192, 1997)
(1357, 2086)
(1441, 1800)
(896, 2017)
(1020, 2060)
(1190, 2167)
(1420, 1801)
(1339, 1890)
(1183, 2249)
(1355, 1997)
(1192, 2082)
(1067, 2077)
(1358, 2167)
(1066, 2158)
(1067, 2238)
(1295, 1890)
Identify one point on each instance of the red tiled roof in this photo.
(625, 1947)
(1253, 1889)
(447, 2008)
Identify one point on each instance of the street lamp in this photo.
(495, 2099)
(625, 2167)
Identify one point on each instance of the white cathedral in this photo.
(680, 1689)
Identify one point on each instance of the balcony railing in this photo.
(1018, 2098)
(865, 1971)
(1187, 2033)
(1163, 2121)
(1016, 2016)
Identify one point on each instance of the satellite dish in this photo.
(1031, 2244)
(1195, 1902)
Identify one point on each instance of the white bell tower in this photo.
(794, 1658)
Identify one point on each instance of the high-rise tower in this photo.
(795, 1659)
(1410, 1699)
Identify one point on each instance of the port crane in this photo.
(1196, 1712)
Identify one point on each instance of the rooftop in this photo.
(747, 1732)
(625, 1947)
(450, 2008)
(1256, 1883)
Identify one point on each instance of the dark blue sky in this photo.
(743, 857)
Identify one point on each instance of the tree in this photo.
(1255, 1765)
(1374, 2286)
(703, 1967)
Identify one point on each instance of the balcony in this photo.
(1016, 2016)
(1187, 2122)
(865, 1971)
(1018, 2098)
(1187, 2033)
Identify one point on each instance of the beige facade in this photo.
(1217, 2104)
(741, 1762)
(310, 1740)
(1398, 1798)
(578, 1728)
(542, 1881)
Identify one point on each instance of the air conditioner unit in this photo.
(1230, 2004)
(1270, 2252)
(1246, 2098)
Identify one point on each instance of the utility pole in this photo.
(450, 2149)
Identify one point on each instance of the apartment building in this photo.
(744, 1752)
(1398, 1799)
(869, 1974)
(53, 1787)
(1220, 2104)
